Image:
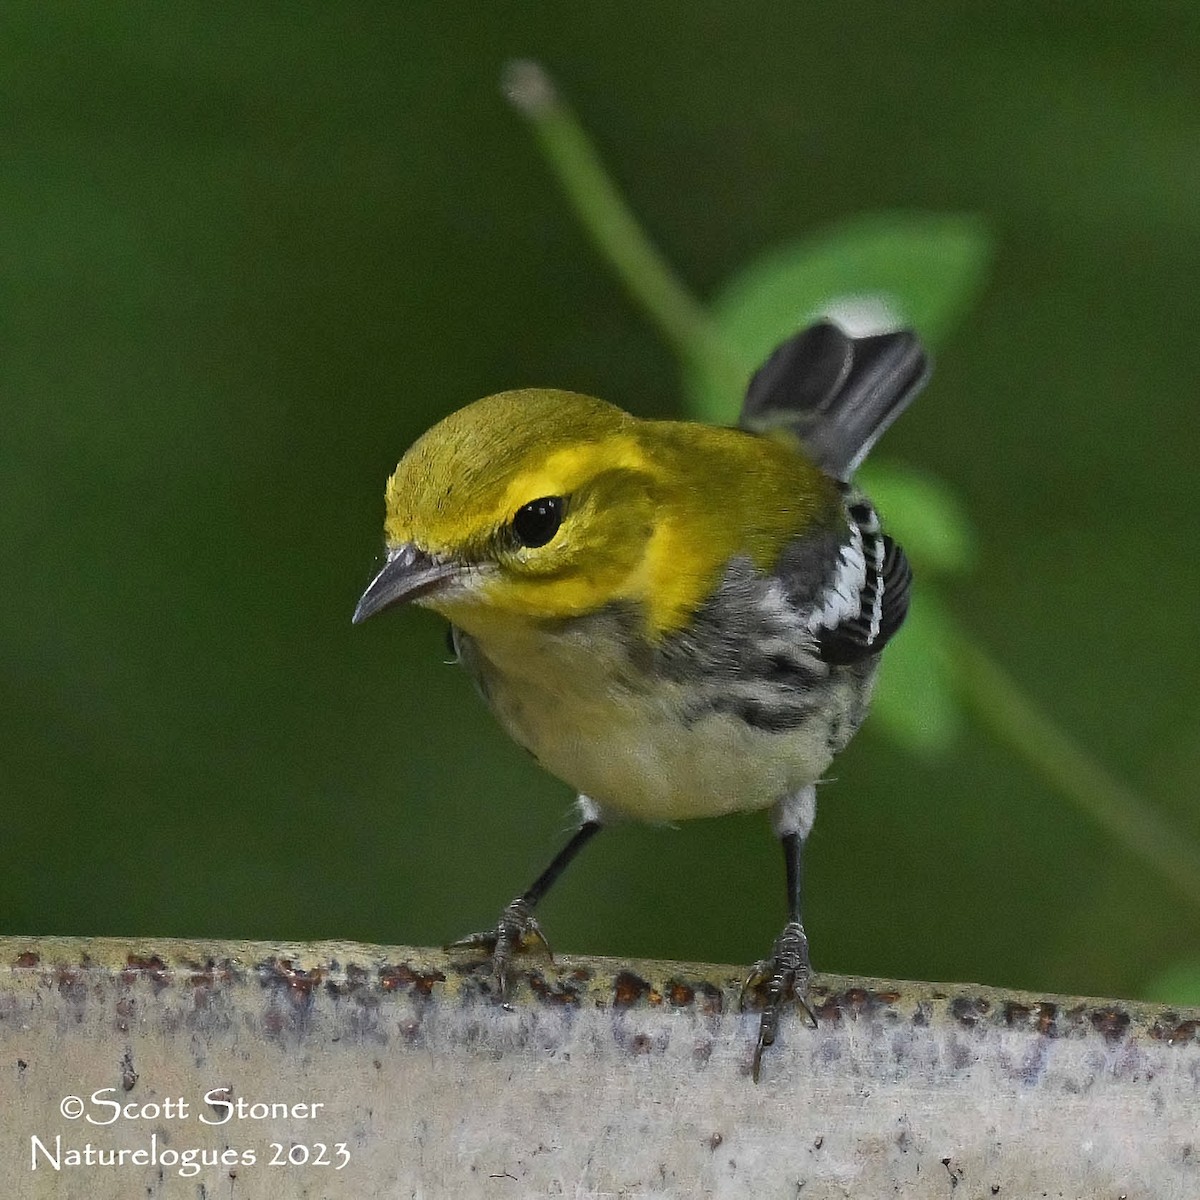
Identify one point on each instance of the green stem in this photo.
(1015, 720)
(615, 230)
(997, 701)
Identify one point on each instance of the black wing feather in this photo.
(852, 640)
(835, 392)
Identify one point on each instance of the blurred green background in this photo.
(249, 252)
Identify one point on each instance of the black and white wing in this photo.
(867, 598)
(850, 589)
(835, 392)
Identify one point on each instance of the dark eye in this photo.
(538, 521)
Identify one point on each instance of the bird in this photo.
(678, 620)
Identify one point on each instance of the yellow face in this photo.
(469, 491)
(553, 505)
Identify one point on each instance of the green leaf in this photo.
(916, 705)
(873, 271)
(923, 514)
(1178, 984)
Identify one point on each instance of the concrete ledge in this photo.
(367, 1071)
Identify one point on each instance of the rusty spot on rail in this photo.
(701, 995)
(629, 989)
(402, 977)
(563, 991)
(854, 1002)
(297, 982)
(1110, 1022)
(1042, 1017)
(356, 979)
(1171, 1029)
(71, 983)
(149, 967)
(969, 1010)
(679, 994)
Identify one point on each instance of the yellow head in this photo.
(546, 505)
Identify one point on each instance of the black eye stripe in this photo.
(537, 522)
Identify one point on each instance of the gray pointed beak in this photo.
(408, 574)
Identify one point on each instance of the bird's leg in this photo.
(784, 976)
(518, 927)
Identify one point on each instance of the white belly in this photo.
(624, 743)
(658, 769)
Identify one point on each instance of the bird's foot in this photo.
(781, 979)
(517, 930)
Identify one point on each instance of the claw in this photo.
(758, 974)
(759, 1046)
(785, 977)
(485, 939)
(517, 929)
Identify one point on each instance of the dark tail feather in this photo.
(837, 393)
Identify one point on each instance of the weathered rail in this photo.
(247, 1070)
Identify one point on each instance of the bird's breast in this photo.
(697, 727)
